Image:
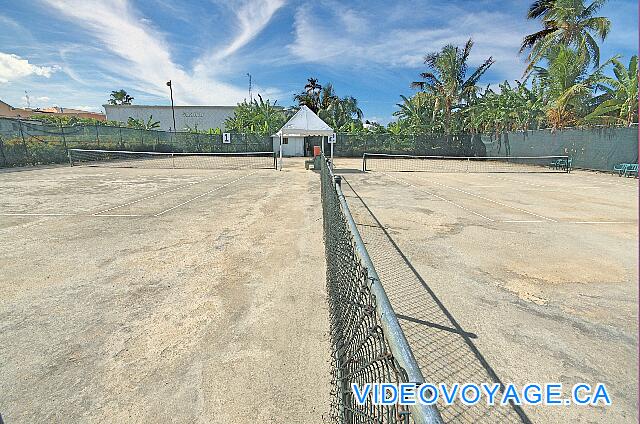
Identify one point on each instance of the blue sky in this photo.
(72, 53)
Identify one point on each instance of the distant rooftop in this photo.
(169, 106)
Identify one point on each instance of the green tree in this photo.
(257, 117)
(566, 22)
(415, 114)
(620, 99)
(446, 80)
(120, 97)
(150, 124)
(310, 96)
(341, 113)
(568, 85)
(512, 108)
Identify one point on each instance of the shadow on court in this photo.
(445, 352)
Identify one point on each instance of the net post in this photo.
(173, 160)
(69, 156)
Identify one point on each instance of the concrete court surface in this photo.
(510, 277)
(158, 296)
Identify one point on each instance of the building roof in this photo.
(305, 123)
(167, 106)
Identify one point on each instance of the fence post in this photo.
(24, 143)
(64, 139)
(120, 131)
(4, 158)
(97, 136)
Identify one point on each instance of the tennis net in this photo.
(157, 160)
(407, 163)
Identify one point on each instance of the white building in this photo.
(187, 117)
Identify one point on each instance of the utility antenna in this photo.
(26, 96)
(250, 95)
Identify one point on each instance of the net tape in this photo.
(157, 160)
(407, 163)
(361, 349)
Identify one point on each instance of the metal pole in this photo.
(64, 140)
(250, 93)
(173, 111)
(97, 136)
(332, 154)
(280, 161)
(24, 143)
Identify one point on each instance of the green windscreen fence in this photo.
(589, 148)
(25, 142)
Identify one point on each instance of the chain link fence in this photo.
(25, 142)
(589, 148)
(355, 145)
(28, 142)
(367, 343)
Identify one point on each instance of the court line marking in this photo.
(439, 197)
(600, 222)
(517, 181)
(588, 178)
(620, 182)
(494, 201)
(522, 221)
(159, 194)
(35, 214)
(114, 214)
(202, 195)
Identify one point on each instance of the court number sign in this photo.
(332, 138)
(226, 138)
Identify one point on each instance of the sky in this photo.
(73, 53)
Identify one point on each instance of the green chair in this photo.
(621, 168)
(631, 170)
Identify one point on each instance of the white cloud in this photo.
(13, 67)
(364, 40)
(252, 16)
(146, 63)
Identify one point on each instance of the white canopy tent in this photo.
(304, 123)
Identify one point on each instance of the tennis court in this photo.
(508, 276)
(175, 289)
(162, 295)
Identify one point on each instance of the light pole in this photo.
(250, 95)
(173, 111)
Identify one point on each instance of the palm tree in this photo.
(120, 97)
(568, 85)
(415, 113)
(310, 97)
(620, 100)
(323, 100)
(446, 79)
(567, 22)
